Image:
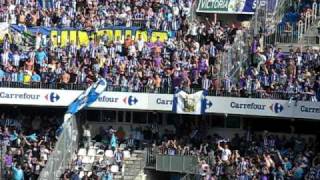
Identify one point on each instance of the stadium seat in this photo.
(126, 154)
(122, 146)
(82, 152)
(81, 174)
(98, 145)
(109, 154)
(100, 152)
(114, 169)
(86, 160)
(92, 152)
(99, 155)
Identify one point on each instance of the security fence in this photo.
(65, 148)
(237, 55)
(177, 163)
(282, 8)
(170, 90)
(295, 32)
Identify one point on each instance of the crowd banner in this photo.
(227, 6)
(162, 103)
(184, 103)
(63, 36)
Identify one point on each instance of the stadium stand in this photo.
(195, 54)
(26, 142)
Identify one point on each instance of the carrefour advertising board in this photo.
(162, 102)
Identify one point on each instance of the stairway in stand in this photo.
(133, 167)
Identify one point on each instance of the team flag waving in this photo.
(184, 103)
(87, 97)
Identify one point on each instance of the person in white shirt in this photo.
(140, 43)
(38, 41)
(225, 151)
(16, 59)
(86, 135)
(132, 50)
(5, 58)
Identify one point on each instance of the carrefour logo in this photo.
(276, 107)
(131, 100)
(52, 97)
(208, 104)
(168, 102)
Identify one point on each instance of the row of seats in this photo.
(92, 152)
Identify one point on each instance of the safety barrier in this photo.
(185, 164)
(282, 8)
(236, 56)
(211, 92)
(65, 148)
(296, 32)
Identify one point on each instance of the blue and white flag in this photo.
(87, 97)
(184, 103)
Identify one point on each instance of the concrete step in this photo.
(117, 177)
(128, 177)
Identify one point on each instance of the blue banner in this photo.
(227, 6)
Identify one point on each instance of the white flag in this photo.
(184, 103)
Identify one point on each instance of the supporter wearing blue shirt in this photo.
(35, 77)
(107, 176)
(20, 76)
(17, 173)
(41, 57)
(2, 74)
(298, 173)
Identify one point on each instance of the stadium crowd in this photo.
(260, 156)
(191, 59)
(252, 156)
(26, 143)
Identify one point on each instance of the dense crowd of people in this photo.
(192, 59)
(247, 156)
(251, 156)
(93, 14)
(101, 157)
(26, 143)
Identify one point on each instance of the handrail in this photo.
(294, 32)
(67, 144)
(212, 92)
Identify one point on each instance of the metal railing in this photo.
(212, 92)
(185, 164)
(237, 55)
(297, 31)
(65, 148)
(282, 8)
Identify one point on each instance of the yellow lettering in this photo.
(83, 38)
(107, 32)
(163, 36)
(54, 38)
(117, 35)
(73, 37)
(64, 38)
(143, 34)
(128, 33)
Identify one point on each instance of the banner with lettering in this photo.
(227, 6)
(63, 36)
(164, 103)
